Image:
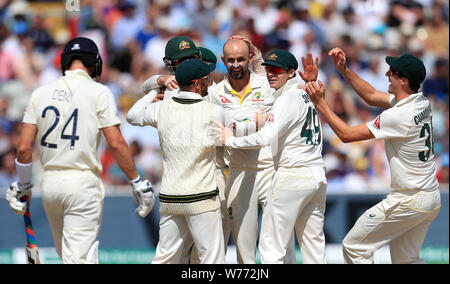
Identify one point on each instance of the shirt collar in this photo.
(256, 81)
(188, 95)
(289, 83)
(409, 99)
(77, 73)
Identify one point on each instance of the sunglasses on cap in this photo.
(204, 77)
(275, 70)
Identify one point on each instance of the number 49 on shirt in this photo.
(311, 128)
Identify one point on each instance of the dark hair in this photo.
(415, 87)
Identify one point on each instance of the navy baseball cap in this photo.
(192, 69)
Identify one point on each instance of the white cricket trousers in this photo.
(401, 219)
(245, 190)
(178, 234)
(73, 202)
(297, 202)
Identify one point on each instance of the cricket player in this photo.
(160, 87)
(176, 55)
(298, 190)
(68, 117)
(242, 94)
(250, 170)
(178, 49)
(190, 206)
(403, 217)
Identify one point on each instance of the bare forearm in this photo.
(25, 146)
(366, 91)
(340, 127)
(360, 86)
(122, 155)
(344, 131)
(120, 151)
(25, 156)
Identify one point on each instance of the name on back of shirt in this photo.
(62, 96)
(306, 98)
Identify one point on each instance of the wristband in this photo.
(24, 171)
(136, 179)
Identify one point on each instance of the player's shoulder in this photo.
(44, 89)
(408, 107)
(219, 86)
(97, 86)
(293, 93)
(41, 93)
(259, 81)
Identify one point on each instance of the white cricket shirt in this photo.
(241, 111)
(407, 129)
(69, 114)
(240, 114)
(293, 130)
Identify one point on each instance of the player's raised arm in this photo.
(344, 131)
(366, 91)
(256, 55)
(143, 112)
(310, 68)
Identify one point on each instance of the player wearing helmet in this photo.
(72, 191)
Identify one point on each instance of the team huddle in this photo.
(250, 141)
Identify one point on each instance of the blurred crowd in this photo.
(132, 35)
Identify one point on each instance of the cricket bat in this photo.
(31, 249)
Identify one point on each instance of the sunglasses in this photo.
(202, 78)
(392, 72)
(275, 70)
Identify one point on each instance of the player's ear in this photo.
(223, 60)
(404, 82)
(291, 73)
(197, 84)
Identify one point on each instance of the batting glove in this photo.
(143, 196)
(19, 197)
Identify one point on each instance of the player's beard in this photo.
(239, 73)
(204, 91)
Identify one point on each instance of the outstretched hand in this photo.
(339, 59)
(310, 67)
(223, 133)
(316, 91)
(253, 49)
(168, 81)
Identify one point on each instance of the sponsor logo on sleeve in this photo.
(377, 122)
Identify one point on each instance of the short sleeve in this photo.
(392, 100)
(389, 124)
(107, 110)
(30, 115)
